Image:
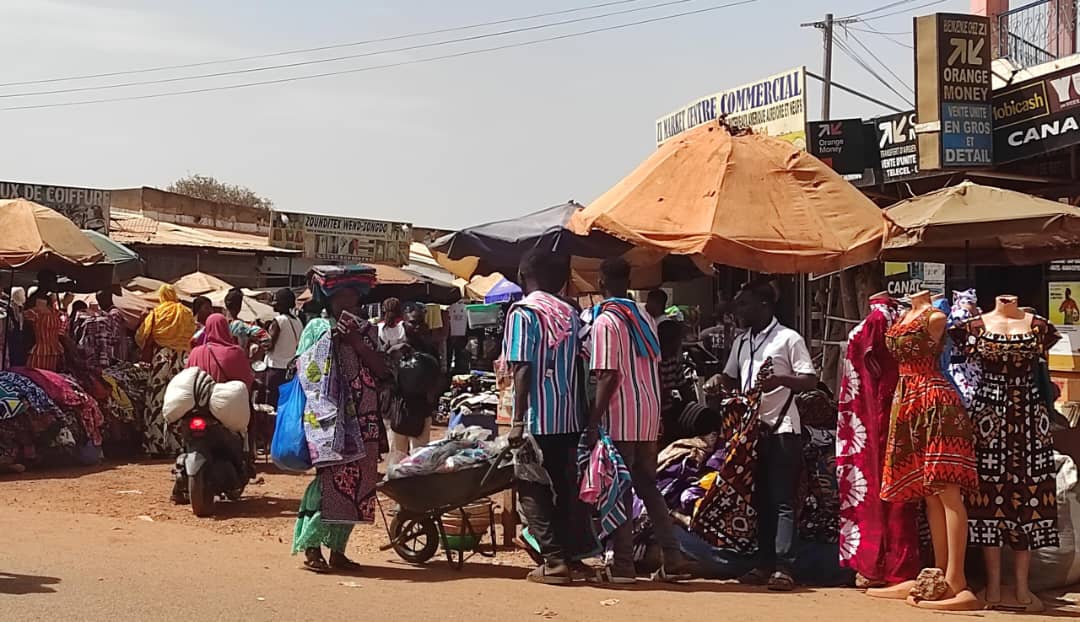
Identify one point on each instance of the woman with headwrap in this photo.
(392, 329)
(219, 355)
(165, 338)
(338, 364)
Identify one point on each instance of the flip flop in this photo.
(318, 566)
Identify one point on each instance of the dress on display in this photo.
(930, 442)
(1016, 500)
(878, 539)
(963, 371)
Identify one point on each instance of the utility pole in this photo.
(826, 27)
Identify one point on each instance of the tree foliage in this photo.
(210, 189)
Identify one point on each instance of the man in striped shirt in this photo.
(541, 346)
(625, 353)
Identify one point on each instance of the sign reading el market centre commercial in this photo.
(774, 106)
(342, 240)
(88, 208)
(1038, 115)
(953, 91)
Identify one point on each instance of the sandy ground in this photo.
(106, 544)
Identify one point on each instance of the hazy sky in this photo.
(448, 143)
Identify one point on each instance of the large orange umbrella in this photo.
(747, 201)
(34, 237)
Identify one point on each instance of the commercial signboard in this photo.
(1037, 116)
(841, 144)
(342, 240)
(953, 91)
(903, 279)
(898, 147)
(774, 106)
(86, 207)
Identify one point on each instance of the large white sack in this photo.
(180, 395)
(1059, 566)
(229, 405)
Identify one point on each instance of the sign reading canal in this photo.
(952, 91)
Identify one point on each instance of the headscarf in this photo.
(219, 355)
(392, 306)
(18, 301)
(171, 324)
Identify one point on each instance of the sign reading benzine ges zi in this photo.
(774, 106)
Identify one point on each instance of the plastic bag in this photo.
(180, 395)
(289, 448)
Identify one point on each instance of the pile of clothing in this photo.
(325, 281)
(53, 418)
(463, 448)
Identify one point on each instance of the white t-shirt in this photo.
(789, 355)
(391, 336)
(459, 319)
(289, 330)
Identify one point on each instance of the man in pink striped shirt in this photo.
(625, 353)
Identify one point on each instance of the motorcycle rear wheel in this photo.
(202, 498)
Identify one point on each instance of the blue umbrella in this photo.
(504, 291)
(126, 263)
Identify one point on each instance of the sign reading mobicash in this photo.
(1038, 115)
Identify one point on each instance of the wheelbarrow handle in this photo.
(495, 465)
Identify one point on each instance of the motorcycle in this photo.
(215, 462)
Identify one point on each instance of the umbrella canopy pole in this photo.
(7, 319)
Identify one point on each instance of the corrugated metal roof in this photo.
(131, 228)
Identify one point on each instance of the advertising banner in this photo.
(774, 106)
(952, 91)
(902, 279)
(342, 240)
(840, 144)
(86, 207)
(897, 146)
(1062, 303)
(1037, 116)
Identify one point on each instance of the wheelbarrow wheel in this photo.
(415, 538)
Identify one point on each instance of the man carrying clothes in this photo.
(777, 476)
(625, 354)
(541, 347)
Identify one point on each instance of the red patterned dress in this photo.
(931, 440)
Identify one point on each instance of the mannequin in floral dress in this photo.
(930, 455)
(1016, 502)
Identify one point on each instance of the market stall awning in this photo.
(971, 223)
(131, 228)
(250, 311)
(499, 247)
(405, 284)
(503, 291)
(747, 201)
(200, 284)
(126, 263)
(38, 238)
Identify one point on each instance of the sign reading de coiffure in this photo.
(952, 91)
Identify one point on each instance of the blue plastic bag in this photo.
(289, 448)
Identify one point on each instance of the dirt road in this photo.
(105, 544)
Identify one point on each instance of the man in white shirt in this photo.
(780, 458)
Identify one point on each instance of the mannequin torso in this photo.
(921, 303)
(1007, 318)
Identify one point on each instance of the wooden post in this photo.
(509, 518)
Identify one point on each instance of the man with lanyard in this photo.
(777, 476)
(541, 346)
(624, 356)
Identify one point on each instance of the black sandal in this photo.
(757, 576)
(781, 582)
(338, 561)
(315, 562)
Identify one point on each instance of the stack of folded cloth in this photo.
(328, 280)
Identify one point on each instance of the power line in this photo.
(869, 69)
(304, 63)
(322, 48)
(880, 8)
(885, 35)
(881, 62)
(905, 12)
(384, 66)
